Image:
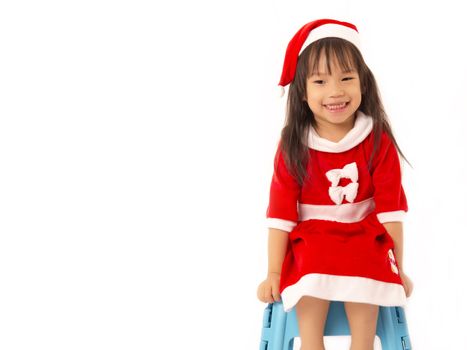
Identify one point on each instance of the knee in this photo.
(311, 317)
(362, 315)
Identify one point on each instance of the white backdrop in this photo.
(136, 153)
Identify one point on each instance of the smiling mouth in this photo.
(337, 106)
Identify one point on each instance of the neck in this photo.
(334, 132)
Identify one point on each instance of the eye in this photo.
(349, 78)
(318, 81)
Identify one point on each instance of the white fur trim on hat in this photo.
(333, 30)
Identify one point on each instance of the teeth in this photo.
(341, 105)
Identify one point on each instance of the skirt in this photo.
(341, 261)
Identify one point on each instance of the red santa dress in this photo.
(338, 248)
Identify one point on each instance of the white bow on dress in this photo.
(350, 171)
(337, 193)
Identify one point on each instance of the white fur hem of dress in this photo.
(344, 288)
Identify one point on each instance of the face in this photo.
(333, 99)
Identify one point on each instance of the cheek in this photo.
(314, 98)
(355, 92)
(356, 89)
(313, 102)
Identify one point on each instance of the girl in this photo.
(336, 201)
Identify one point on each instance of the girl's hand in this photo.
(268, 290)
(408, 285)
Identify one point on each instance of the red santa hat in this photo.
(311, 32)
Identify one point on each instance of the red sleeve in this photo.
(389, 195)
(283, 196)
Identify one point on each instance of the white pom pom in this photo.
(281, 91)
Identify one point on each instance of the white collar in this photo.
(361, 129)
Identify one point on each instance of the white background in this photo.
(136, 153)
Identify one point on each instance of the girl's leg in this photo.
(311, 317)
(363, 319)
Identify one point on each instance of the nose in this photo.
(336, 89)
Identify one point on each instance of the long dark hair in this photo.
(299, 116)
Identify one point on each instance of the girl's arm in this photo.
(277, 247)
(395, 231)
(282, 214)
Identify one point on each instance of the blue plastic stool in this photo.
(280, 328)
